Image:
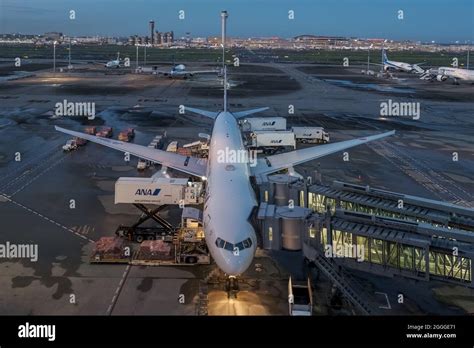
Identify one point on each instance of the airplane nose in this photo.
(234, 265)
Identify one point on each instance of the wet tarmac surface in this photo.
(37, 190)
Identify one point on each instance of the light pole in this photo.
(136, 67)
(144, 59)
(224, 16)
(69, 64)
(54, 55)
(368, 60)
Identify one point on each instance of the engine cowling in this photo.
(441, 77)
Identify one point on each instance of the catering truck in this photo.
(310, 134)
(263, 124)
(157, 191)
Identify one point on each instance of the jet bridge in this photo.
(376, 231)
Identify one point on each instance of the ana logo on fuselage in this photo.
(147, 192)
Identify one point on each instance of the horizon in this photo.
(362, 19)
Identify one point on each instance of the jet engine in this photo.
(441, 77)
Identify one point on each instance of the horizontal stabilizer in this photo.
(210, 114)
(240, 114)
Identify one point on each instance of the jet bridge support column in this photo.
(427, 263)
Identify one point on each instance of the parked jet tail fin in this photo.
(240, 114)
(384, 56)
(210, 114)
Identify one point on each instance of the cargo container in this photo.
(111, 249)
(90, 130)
(150, 252)
(105, 132)
(252, 124)
(123, 136)
(310, 134)
(184, 151)
(126, 135)
(80, 141)
(130, 132)
(172, 147)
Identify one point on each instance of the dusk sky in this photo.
(425, 20)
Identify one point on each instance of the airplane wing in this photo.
(205, 113)
(271, 164)
(189, 165)
(202, 71)
(240, 114)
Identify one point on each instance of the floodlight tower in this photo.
(224, 17)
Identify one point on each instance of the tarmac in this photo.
(37, 190)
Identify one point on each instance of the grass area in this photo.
(109, 52)
(360, 57)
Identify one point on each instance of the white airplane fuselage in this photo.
(230, 200)
(113, 64)
(457, 73)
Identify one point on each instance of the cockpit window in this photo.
(220, 243)
(245, 244)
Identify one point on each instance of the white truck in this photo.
(310, 134)
(252, 124)
(300, 298)
(172, 147)
(70, 145)
(271, 141)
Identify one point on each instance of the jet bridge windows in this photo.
(245, 244)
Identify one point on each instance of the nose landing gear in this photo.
(232, 287)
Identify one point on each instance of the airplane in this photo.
(114, 63)
(230, 199)
(400, 66)
(444, 73)
(179, 71)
